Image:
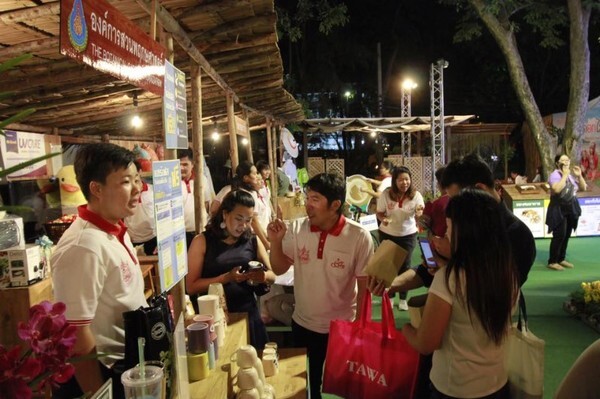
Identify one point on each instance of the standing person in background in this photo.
(141, 225)
(247, 178)
(385, 174)
(538, 175)
(564, 210)
(218, 254)
(468, 311)
(329, 254)
(186, 159)
(96, 272)
(397, 210)
(517, 178)
(264, 170)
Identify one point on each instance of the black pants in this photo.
(502, 393)
(408, 243)
(316, 349)
(560, 239)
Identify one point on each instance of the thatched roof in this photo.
(234, 41)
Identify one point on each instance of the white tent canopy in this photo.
(380, 125)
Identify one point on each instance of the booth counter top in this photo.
(531, 206)
(290, 382)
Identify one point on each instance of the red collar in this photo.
(187, 182)
(117, 230)
(335, 230)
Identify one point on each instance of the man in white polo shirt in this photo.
(188, 175)
(95, 268)
(329, 253)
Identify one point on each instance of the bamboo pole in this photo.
(233, 147)
(249, 136)
(270, 156)
(274, 156)
(197, 146)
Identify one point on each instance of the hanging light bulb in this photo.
(244, 141)
(215, 136)
(373, 134)
(136, 121)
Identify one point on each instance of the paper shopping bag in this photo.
(367, 359)
(525, 360)
(386, 262)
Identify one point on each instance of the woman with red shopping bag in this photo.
(468, 311)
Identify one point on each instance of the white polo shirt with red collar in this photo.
(95, 272)
(141, 226)
(326, 265)
(189, 214)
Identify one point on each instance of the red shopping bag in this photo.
(368, 359)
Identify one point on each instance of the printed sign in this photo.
(170, 224)
(18, 147)
(175, 108)
(95, 33)
(369, 222)
(589, 221)
(531, 212)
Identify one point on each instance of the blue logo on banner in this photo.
(78, 32)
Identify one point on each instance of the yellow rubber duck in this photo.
(70, 192)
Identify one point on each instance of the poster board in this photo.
(170, 224)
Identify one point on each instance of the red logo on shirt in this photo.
(392, 205)
(126, 273)
(304, 255)
(338, 264)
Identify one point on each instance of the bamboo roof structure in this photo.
(405, 124)
(233, 41)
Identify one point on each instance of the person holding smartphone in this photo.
(563, 210)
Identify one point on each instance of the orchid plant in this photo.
(47, 361)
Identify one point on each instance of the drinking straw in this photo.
(141, 343)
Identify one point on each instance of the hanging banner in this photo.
(95, 33)
(170, 224)
(19, 147)
(175, 108)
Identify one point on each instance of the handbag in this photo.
(567, 194)
(525, 359)
(155, 324)
(368, 359)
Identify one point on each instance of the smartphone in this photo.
(427, 252)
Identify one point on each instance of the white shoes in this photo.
(402, 305)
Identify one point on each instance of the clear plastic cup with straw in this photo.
(143, 382)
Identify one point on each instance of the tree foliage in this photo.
(549, 20)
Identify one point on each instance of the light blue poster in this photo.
(170, 224)
(175, 108)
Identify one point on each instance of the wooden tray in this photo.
(527, 189)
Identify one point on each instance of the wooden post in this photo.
(305, 149)
(233, 147)
(249, 146)
(153, 20)
(198, 147)
(274, 171)
(272, 164)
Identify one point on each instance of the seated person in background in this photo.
(141, 226)
(516, 178)
(218, 254)
(96, 272)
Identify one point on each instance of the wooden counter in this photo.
(15, 308)
(290, 382)
(531, 208)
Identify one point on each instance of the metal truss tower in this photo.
(406, 112)
(438, 148)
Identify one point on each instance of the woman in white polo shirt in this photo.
(397, 209)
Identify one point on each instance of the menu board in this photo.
(175, 108)
(170, 224)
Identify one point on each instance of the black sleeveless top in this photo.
(221, 258)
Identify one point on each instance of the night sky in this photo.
(413, 34)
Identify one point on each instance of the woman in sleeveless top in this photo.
(218, 255)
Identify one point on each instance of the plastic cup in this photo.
(148, 387)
